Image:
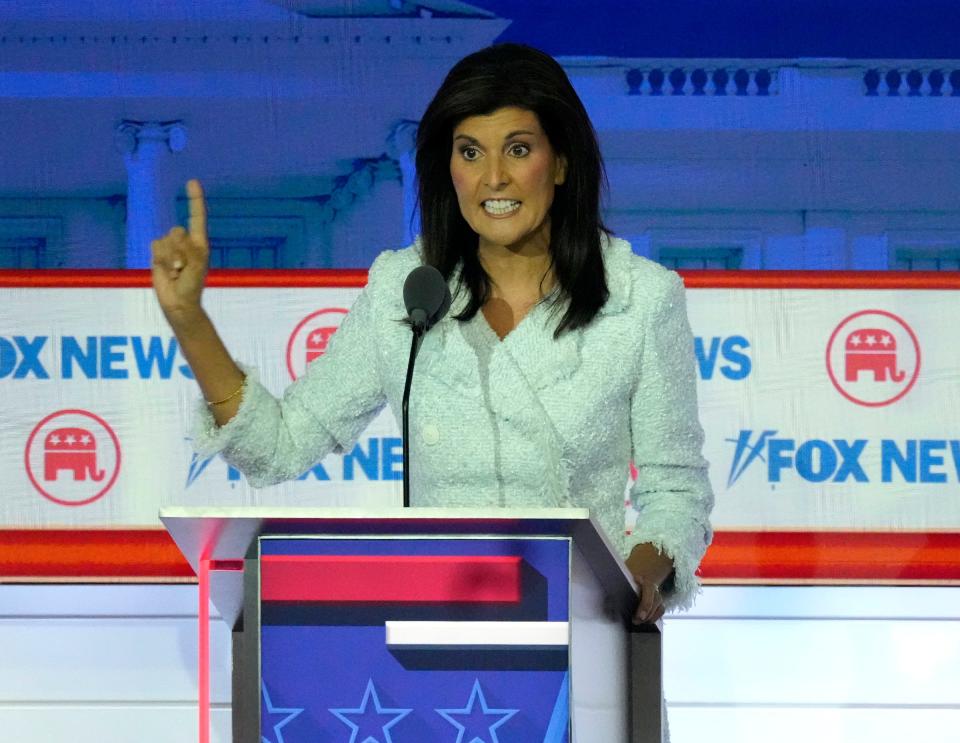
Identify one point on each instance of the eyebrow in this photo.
(511, 135)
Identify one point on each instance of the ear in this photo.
(561, 174)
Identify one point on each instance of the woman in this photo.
(563, 355)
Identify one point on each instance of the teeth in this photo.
(500, 206)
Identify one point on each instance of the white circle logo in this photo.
(310, 338)
(72, 457)
(873, 358)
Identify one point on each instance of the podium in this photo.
(423, 624)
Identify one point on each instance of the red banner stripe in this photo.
(774, 556)
(357, 277)
(390, 578)
(825, 556)
(139, 279)
(942, 280)
(99, 554)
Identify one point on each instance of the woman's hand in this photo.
(649, 568)
(180, 262)
(650, 606)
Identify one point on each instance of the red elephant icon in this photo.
(73, 449)
(317, 342)
(872, 350)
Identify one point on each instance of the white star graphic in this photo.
(290, 713)
(885, 339)
(54, 439)
(85, 439)
(369, 720)
(71, 440)
(871, 340)
(855, 340)
(475, 726)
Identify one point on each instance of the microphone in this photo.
(427, 299)
(426, 296)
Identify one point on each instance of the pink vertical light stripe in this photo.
(203, 652)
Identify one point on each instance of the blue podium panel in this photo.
(397, 640)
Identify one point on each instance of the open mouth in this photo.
(499, 207)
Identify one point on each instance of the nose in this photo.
(495, 174)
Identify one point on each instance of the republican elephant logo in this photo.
(873, 358)
(310, 339)
(71, 449)
(874, 351)
(317, 342)
(72, 457)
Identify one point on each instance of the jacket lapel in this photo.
(529, 359)
(445, 354)
(543, 360)
(540, 359)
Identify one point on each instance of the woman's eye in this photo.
(519, 150)
(470, 153)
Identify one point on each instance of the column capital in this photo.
(129, 134)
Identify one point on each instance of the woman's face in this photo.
(504, 171)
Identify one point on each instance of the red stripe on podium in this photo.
(390, 578)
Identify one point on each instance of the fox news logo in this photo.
(90, 357)
(729, 355)
(378, 458)
(842, 460)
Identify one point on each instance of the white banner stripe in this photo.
(478, 634)
(808, 426)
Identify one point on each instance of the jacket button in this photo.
(430, 434)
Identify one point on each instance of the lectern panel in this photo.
(415, 639)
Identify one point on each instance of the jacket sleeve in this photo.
(672, 492)
(324, 411)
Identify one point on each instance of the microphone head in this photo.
(443, 308)
(426, 296)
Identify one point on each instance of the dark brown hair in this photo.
(496, 77)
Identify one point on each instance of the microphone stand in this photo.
(418, 329)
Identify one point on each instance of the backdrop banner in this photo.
(825, 409)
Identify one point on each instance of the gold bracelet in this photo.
(230, 396)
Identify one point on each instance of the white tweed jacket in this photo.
(527, 421)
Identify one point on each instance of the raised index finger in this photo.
(197, 209)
